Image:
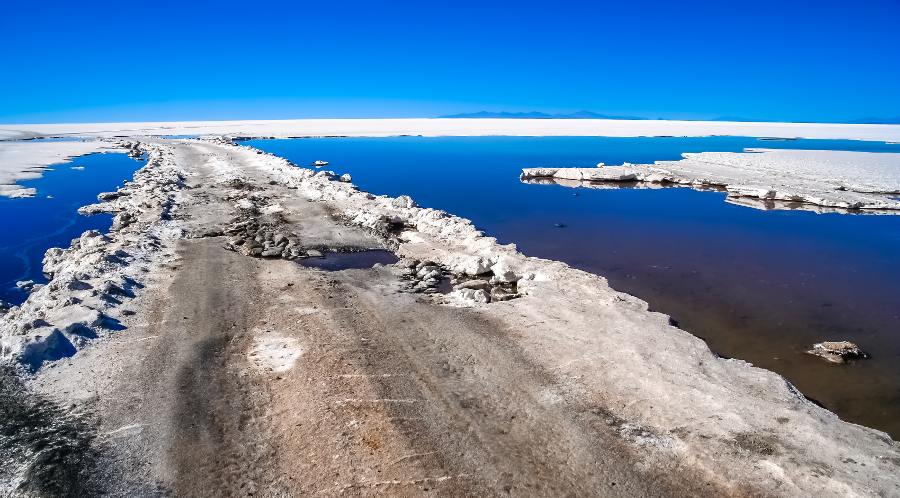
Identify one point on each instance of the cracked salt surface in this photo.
(762, 286)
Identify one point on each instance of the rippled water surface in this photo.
(757, 285)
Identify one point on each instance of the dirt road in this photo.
(382, 392)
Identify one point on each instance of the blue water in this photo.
(757, 285)
(33, 225)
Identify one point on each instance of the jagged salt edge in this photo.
(21, 329)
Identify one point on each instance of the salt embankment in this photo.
(821, 181)
(660, 386)
(90, 278)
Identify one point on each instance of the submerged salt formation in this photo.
(836, 352)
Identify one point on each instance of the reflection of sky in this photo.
(33, 225)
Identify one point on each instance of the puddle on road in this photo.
(336, 261)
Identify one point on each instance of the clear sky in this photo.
(120, 61)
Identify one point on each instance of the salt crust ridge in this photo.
(92, 277)
(666, 392)
(813, 180)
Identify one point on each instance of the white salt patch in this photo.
(274, 208)
(275, 351)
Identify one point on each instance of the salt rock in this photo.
(432, 275)
(92, 240)
(475, 265)
(474, 285)
(478, 296)
(606, 173)
(346, 178)
(121, 221)
(836, 352)
(503, 273)
(481, 296)
(404, 201)
(538, 172)
(407, 263)
(498, 294)
(108, 196)
(750, 191)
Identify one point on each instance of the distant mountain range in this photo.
(740, 119)
(594, 115)
(876, 121)
(538, 115)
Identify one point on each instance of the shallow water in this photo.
(757, 285)
(33, 225)
(336, 261)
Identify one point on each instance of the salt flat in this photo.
(458, 127)
(15, 166)
(28, 160)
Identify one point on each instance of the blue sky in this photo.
(163, 60)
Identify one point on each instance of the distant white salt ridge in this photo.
(459, 127)
(814, 180)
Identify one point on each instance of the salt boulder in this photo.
(750, 191)
(503, 273)
(475, 265)
(404, 201)
(474, 295)
(606, 173)
(836, 352)
(477, 284)
(92, 240)
(538, 172)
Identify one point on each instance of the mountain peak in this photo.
(535, 115)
